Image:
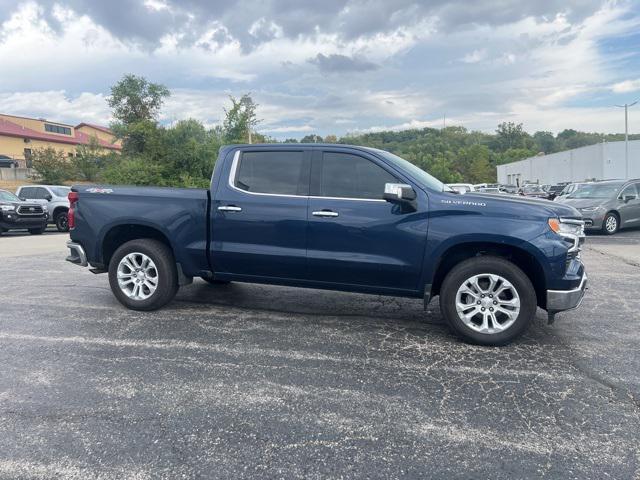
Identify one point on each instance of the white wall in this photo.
(601, 161)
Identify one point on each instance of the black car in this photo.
(554, 190)
(7, 162)
(16, 214)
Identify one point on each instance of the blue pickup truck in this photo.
(341, 218)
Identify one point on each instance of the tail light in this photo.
(71, 216)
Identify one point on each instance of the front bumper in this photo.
(562, 300)
(76, 254)
(13, 221)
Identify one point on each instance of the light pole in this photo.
(626, 136)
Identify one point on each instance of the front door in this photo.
(630, 210)
(259, 215)
(355, 237)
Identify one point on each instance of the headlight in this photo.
(45, 208)
(589, 209)
(7, 208)
(570, 230)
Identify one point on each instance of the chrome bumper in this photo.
(562, 300)
(77, 255)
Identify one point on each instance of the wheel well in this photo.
(615, 212)
(121, 234)
(523, 259)
(58, 210)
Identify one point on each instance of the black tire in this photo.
(610, 218)
(62, 222)
(167, 273)
(212, 281)
(37, 231)
(488, 265)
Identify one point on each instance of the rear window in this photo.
(280, 173)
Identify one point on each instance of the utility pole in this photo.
(250, 135)
(626, 137)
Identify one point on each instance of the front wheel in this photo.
(488, 301)
(610, 223)
(143, 274)
(62, 222)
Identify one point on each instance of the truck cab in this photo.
(342, 218)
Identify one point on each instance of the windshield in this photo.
(8, 197)
(595, 190)
(533, 188)
(420, 175)
(60, 191)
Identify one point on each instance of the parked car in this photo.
(16, 214)
(55, 197)
(461, 187)
(554, 190)
(608, 205)
(569, 189)
(489, 190)
(533, 190)
(509, 189)
(7, 162)
(336, 217)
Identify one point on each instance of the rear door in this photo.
(356, 237)
(259, 214)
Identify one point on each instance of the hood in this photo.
(551, 208)
(583, 202)
(20, 203)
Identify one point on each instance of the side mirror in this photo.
(23, 199)
(48, 197)
(628, 198)
(400, 193)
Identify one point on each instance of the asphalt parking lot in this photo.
(259, 381)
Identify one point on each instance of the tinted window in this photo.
(284, 173)
(60, 191)
(630, 190)
(351, 176)
(27, 192)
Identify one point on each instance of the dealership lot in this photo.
(249, 380)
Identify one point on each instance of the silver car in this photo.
(609, 205)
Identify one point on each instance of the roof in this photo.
(11, 129)
(97, 127)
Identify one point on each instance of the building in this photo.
(20, 136)
(596, 162)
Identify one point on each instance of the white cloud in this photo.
(626, 86)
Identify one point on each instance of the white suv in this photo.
(54, 197)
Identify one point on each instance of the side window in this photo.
(630, 190)
(351, 176)
(282, 173)
(40, 193)
(28, 193)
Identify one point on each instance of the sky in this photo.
(331, 66)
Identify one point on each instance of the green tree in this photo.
(137, 171)
(544, 142)
(135, 99)
(240, 120)
(312, 139)
(89, 160)
(510, 135)
(52, 166)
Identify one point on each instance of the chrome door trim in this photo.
(229, 208)
(234, 171)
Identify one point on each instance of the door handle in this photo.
(325, 213)
(229, 208)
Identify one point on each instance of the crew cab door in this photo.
(259, 214)
(35, 194)
(355, 237)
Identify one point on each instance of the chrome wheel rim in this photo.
(137, 276)
(487, 303)
(611, 223)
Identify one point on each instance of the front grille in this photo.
(32, 210)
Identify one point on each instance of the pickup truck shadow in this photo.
(309, 302)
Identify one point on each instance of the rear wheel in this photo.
(488, 300)
(143, 274)
(62, 222)
(37, 231)
(610, 224)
